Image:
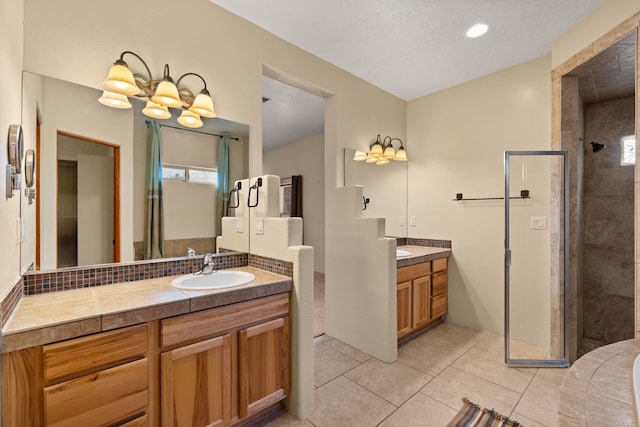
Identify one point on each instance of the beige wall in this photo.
(306, 158)
(11, 33)
(458, 137)
(604, 18)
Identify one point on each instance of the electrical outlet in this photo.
(239, 225)
(259, 225)
(401, 221)
(412, 221)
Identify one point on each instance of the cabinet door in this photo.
(196, 384)
(264, 365)
(421, 301)
(404, 308)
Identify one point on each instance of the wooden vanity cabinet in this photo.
(223, 365)
(99, 379)
(422, 296)
(215, 367)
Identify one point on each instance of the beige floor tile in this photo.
(453, 384)
(571, 406)
(551, 376)
(425, 358)
(564, 421)
(445, 340)
(342, 402)
(394, 382)
(528, 422)
(540, 403)
(352, 352)
(330, 363)
(420, 411)
(287, 420)
(486, 363)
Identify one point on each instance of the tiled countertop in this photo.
(47, 318)
(421, 254)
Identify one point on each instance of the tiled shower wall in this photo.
(608, 213)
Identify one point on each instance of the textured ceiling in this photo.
(610, 74)
(289, 115)
(412, 48)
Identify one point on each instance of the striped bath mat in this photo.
(472, 415)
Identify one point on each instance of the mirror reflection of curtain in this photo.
(296, 195)
(154, 220)
(222, 191)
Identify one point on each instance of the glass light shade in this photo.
(203, 106)
(156, 111)
(376, 149)
(189, 119)
(360, 156)
(371, 158)
(120, 80)
(115, 100)
(401, 155)
(389, 152)
(382, 161)
(167, 95)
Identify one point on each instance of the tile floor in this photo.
(425, 386)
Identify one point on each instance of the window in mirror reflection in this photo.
(189, 174)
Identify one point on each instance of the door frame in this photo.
(116, 190)
(562, 361)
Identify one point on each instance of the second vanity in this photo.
(146, 353)
(422, 280)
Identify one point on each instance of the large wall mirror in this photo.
(385, 187)
(91, 167)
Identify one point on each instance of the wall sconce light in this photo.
(161, 95)
(15, 154)
(382, 152)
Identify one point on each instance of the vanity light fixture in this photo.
(381, 152)
(161, 95)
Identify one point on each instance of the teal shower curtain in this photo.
(222, 192)
(154, 221)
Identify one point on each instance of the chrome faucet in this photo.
(208, 265)
(191, 253)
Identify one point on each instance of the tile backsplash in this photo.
(433, 243)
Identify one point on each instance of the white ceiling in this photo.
(410, 48)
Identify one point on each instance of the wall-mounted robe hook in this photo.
(255, 186)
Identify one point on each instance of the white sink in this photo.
(400, 253)
(217, 280)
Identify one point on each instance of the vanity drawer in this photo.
(439, 283)
(94, 352)
(439, 264)
(438, 306)
(103, 398)
(413, 271)
(209, 323)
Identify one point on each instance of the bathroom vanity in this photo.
(422, 280)
(198, 358)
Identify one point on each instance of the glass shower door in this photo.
(535, 263)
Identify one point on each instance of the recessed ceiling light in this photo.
(477, 30)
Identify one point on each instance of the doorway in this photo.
(87, 201)
(293, 149)
(597, 111)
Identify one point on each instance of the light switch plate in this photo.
(538, 223)
(259, 225)
(401, 221)
(239, 225)
(412, 221)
